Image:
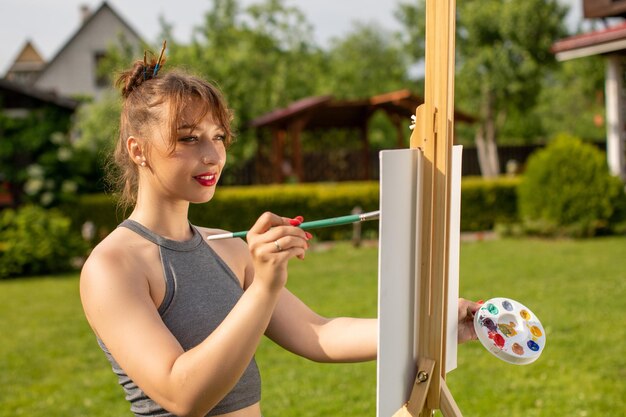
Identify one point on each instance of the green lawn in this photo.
(50, 364)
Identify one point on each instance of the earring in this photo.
(143, 163)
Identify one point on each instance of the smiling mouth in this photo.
(206, 179)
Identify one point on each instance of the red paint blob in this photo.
(497, 339)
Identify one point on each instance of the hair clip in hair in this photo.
(158, 64)
(145, 65)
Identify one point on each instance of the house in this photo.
(73, 70)
(26, 66)
(609, 42)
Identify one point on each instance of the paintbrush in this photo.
(317, 224)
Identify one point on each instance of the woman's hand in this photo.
(273, 241)
(467, 310)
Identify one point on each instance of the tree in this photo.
(366, 61)
(572, 99)
(503, 54)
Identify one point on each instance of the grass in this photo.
(50, 363)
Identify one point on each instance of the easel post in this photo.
(433, 134)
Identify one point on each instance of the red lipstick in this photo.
(206, 179)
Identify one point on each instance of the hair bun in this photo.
(140, 72)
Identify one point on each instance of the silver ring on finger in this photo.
(278, 247)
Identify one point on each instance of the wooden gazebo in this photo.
(325, 112)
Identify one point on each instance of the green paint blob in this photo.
(492, 309)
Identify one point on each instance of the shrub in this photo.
(36, 241)
(486, 202)
(567, 190)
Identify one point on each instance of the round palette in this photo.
(510, 331)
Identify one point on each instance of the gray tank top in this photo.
(200, 292)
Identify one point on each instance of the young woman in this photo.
(178, 317)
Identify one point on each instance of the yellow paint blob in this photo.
(524, 314)
(536, 331)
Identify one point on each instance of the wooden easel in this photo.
(433, 134)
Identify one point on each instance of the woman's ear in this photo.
(135, 150)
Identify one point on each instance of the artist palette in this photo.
(510, 331)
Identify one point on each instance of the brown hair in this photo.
(147, 98)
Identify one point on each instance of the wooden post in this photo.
(295, 129)
(433, 134)
(365, 151)
(278, 141)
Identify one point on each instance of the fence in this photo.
(346, 165)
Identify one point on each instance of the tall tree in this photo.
(572, 99)
(368, 60)
(503, 52)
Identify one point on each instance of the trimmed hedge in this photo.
(483, 204)
(236, 208)
(487, 202)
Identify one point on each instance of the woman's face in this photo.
(192, 170)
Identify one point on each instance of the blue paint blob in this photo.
(507, 305)
(532, 345)
(492, 309)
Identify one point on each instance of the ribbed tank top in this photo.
(200, 292)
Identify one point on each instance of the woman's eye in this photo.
(220, 137)
(188, 139)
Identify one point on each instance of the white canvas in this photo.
(397, 290)
(400, 206)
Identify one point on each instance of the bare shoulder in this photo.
(116, 265)
(117, 252)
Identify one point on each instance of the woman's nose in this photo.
(211, 154)
(211, 157)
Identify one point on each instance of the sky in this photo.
(50, 23)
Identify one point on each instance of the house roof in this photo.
(326, 112)
(104, 6)
(17, 96)
(28, 59)
(612, 39)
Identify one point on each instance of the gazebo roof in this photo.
(326, 112)
(612, 39)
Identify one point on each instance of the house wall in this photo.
(73, 70)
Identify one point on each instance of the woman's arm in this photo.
(117, 302)
(300, 330)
